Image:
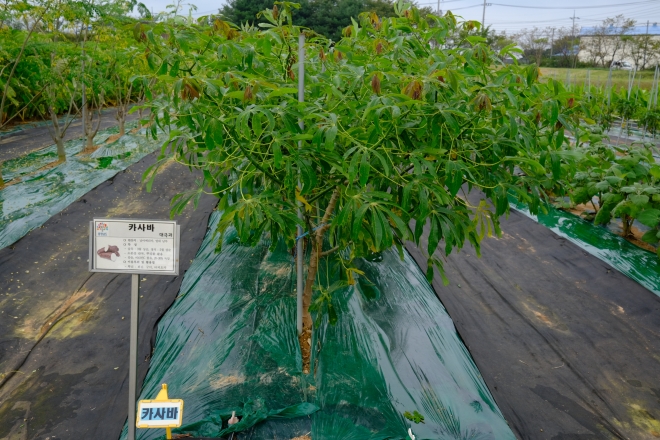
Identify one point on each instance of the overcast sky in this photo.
(518, 15)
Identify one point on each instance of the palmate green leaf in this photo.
(651, 236)
(353, 166)
(215, 132)
(603, 186)
(180, 201)
(454, 177)
(639, 199)
(401, 226)
(365, 167)
(649, 217)
(277, 154)
(532, 164)
(357, 222)
(308, 177)
(378, 228)
(330, 135)
(282, 92)
(344, 214)
(434, 235)
(451, 122)
(654, 170)
(235, 95)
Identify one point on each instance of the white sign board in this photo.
(160, 413)
(134, 246)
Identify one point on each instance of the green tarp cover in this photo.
(229, 344)
(634, 262)
(27, 164)
(27, 204)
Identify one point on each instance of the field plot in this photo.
(63, 336)
(42, 194)
(566, 343)
(598, 76)
(392, 350)
(384, 244)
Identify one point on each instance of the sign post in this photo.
(162, 412)
(136, 247)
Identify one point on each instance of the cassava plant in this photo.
(59, 94)
(392, 129)
(621, 182)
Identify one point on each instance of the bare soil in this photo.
(89, 150)
(112, 138)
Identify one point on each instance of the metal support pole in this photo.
(132, 367)
(84, 93)
(299, 244)
(483, 17)
(646, 43)
(552, 43)
(575, 55)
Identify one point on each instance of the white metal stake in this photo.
(654, 99)
(655, 92)
(608, 87)
(631, 81)
(299, 243)
(655, 74)
(586, 78)
(132, 368)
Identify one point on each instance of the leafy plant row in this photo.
(617, 181)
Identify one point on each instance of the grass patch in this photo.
(643, 79)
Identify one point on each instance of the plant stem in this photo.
(18, 59)
(317, 245)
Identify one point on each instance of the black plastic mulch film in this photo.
(634, 262)
(229, 344)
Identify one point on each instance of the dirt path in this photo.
(567, 345)
(24, 142)
(64, 331)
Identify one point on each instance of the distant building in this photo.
(598, 43)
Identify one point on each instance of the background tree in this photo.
(641, 49)
(498, 41)
(607, 41)
(617, 27)
(534, 42)
(326, 17)
(566, 46)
